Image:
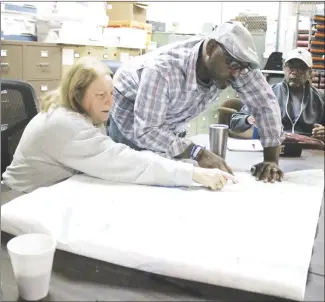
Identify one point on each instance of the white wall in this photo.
(192, 15)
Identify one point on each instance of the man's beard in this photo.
(297, 81)
(294, 82)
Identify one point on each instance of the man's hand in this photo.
(318, 132)
(210, 160)
(267, 171)
(251, 120)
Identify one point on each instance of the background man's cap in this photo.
(238, 41)
(300, 54)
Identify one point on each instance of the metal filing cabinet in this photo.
(36, 63)
(42, 67)
(78, 52)
(43, 86)
(116, 53)
(100, 52)
(95, 51)
(42, 62)
(11, 61)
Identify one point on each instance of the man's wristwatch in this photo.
(196, 151)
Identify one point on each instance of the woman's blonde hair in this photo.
(74, 84)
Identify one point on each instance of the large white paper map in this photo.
(251, 236)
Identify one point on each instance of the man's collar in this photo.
(191, 82)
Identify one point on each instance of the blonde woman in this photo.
(68, 137)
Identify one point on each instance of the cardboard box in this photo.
(125, 37)
(128, 11)
(133, 24)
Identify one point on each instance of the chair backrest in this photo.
(112, 65)
(274, 62)
(18, 107)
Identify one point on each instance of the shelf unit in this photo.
(316, 47)
(312, 38)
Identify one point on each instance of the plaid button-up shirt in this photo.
(157, 93)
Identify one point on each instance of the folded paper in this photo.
(252, 236)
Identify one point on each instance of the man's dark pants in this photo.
(116, 135)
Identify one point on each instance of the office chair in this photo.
(112, 65)
(274, 62)
(18, 107)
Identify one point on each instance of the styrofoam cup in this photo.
(31, 258)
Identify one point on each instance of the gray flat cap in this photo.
(238, 41)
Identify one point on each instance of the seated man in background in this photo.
(157, 93)
(302, 105)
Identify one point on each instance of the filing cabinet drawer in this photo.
(82, 51)
(95, 51)
(11, 61)
(77, 52)
(122, 54)
(42, 62)
(43, 87)
(70, 55)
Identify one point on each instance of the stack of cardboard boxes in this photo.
(127, 25)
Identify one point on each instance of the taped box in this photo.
(129, 11)
(135, 25)
(124, 37)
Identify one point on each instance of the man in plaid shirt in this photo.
(157, 93)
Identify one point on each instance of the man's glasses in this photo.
(300, 68)
(233, 63)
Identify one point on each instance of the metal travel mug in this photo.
(218, 137)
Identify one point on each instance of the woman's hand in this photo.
(214, 179)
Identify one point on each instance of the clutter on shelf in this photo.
(317, 48)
